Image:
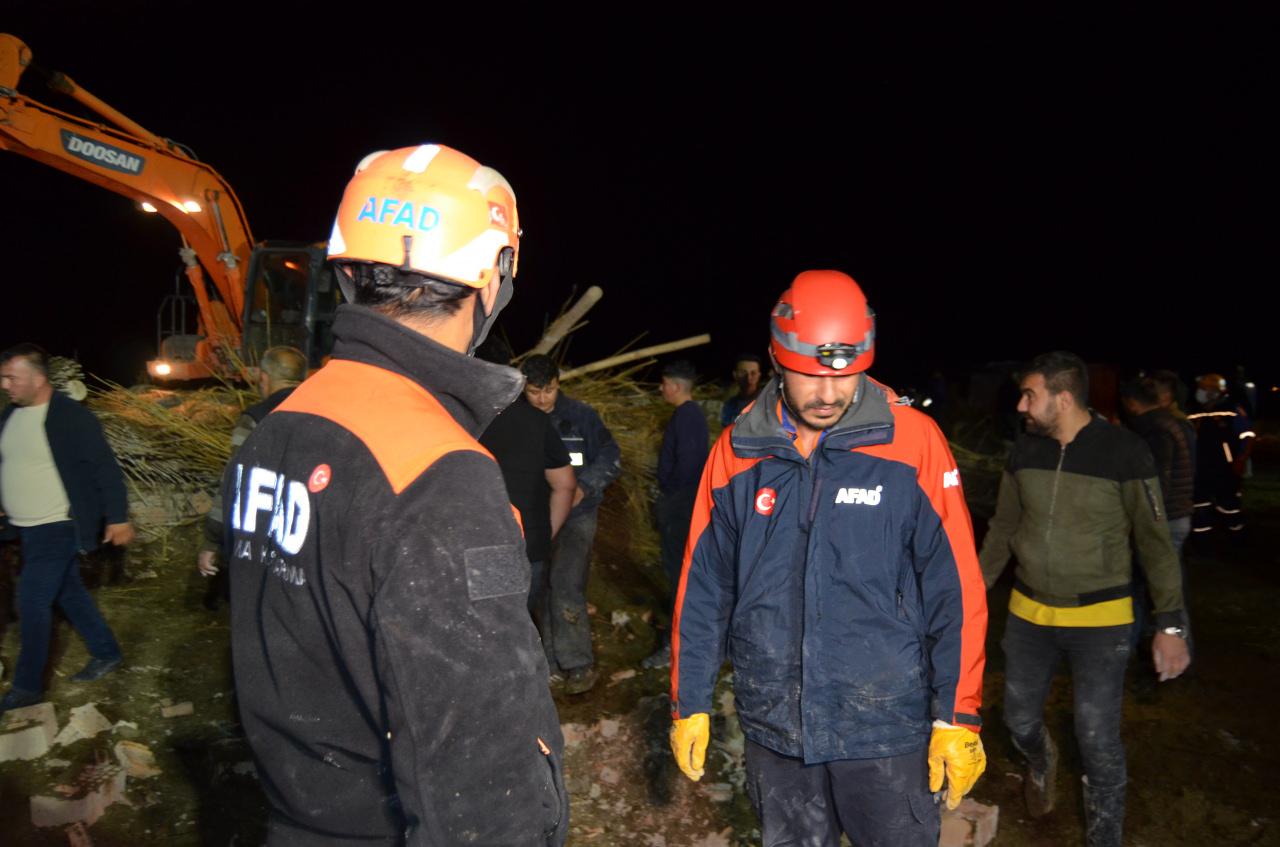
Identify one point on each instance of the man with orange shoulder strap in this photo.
(831, 556)
(1077, 494)
(390, 680)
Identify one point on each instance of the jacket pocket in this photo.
(558, 830)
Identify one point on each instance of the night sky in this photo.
(999, 186)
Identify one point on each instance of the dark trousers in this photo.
(882, 802)
(1217, 500)
(674, 511)
(51, 574)
(1097, 657)
(570, 627)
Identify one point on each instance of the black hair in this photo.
(749, 357)
(1141, 391)
(539, 370)
(33, 353)
(1062, 371)
(399, 294)
(681, 369)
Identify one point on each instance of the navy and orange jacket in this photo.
(390, 680)
(844, 588)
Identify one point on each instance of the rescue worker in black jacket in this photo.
(390, 680)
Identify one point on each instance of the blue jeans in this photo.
(51, 574)
(569, 624)
(873, 801)
(1097, 657)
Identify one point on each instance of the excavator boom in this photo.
(157, 174)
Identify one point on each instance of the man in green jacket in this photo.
(1077, 490)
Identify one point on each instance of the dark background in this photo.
(999, 186)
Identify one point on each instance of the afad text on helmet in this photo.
(392, 211)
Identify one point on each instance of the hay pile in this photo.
(172, 447)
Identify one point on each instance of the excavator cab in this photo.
(290, 300)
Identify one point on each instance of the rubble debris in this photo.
(971, 824)
(28, 733)
(717, 792)
(177, 710)
(85, 722)
(136, 759)
(102, 785)
(574, 734)
(620, 618)
(609, 776)
(608, 727)
(615, 678)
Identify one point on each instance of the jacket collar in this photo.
(868, 420)
(473, 391)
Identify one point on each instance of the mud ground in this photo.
(1202, 749)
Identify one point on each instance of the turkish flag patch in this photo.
(765, 498)
(319, 479)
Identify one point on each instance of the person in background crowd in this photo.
(1077, 494)
(279, 372)
(597, 461)
(63, 492)
(1224, 440)
(748, 375)
(680, 462)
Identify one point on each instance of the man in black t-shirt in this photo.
(540, 482)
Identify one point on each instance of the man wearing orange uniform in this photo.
(831, 556)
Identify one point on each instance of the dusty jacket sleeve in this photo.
(705, 594)
(1156, 555)
(951, 588)
(605, 461)
(475, 740)
(996, 547)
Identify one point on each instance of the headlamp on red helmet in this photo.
(823, 326)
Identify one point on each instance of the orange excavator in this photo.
(246, 297)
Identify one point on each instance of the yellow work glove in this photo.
(959, 752)
(689, 737)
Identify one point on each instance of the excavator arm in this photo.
(152, 171)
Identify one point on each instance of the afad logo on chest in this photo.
(860, 496)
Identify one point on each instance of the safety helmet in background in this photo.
(1212, 382)
(822, 326)
(431, 210)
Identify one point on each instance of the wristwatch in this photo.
(1181, 632)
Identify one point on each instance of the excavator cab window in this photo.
(291, 301)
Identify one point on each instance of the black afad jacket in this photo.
(390, 680)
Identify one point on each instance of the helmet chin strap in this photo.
(506, 286)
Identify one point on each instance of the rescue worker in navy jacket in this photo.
(1224, 439)
(831, 555)
(390, 680)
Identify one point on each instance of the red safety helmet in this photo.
(822, 326)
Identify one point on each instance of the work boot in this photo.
(1040, 785)
(581, 680)
(1103, 815)
(96, 669)
(17, 698)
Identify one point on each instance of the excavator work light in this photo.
(148, 208)
(191, 206)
